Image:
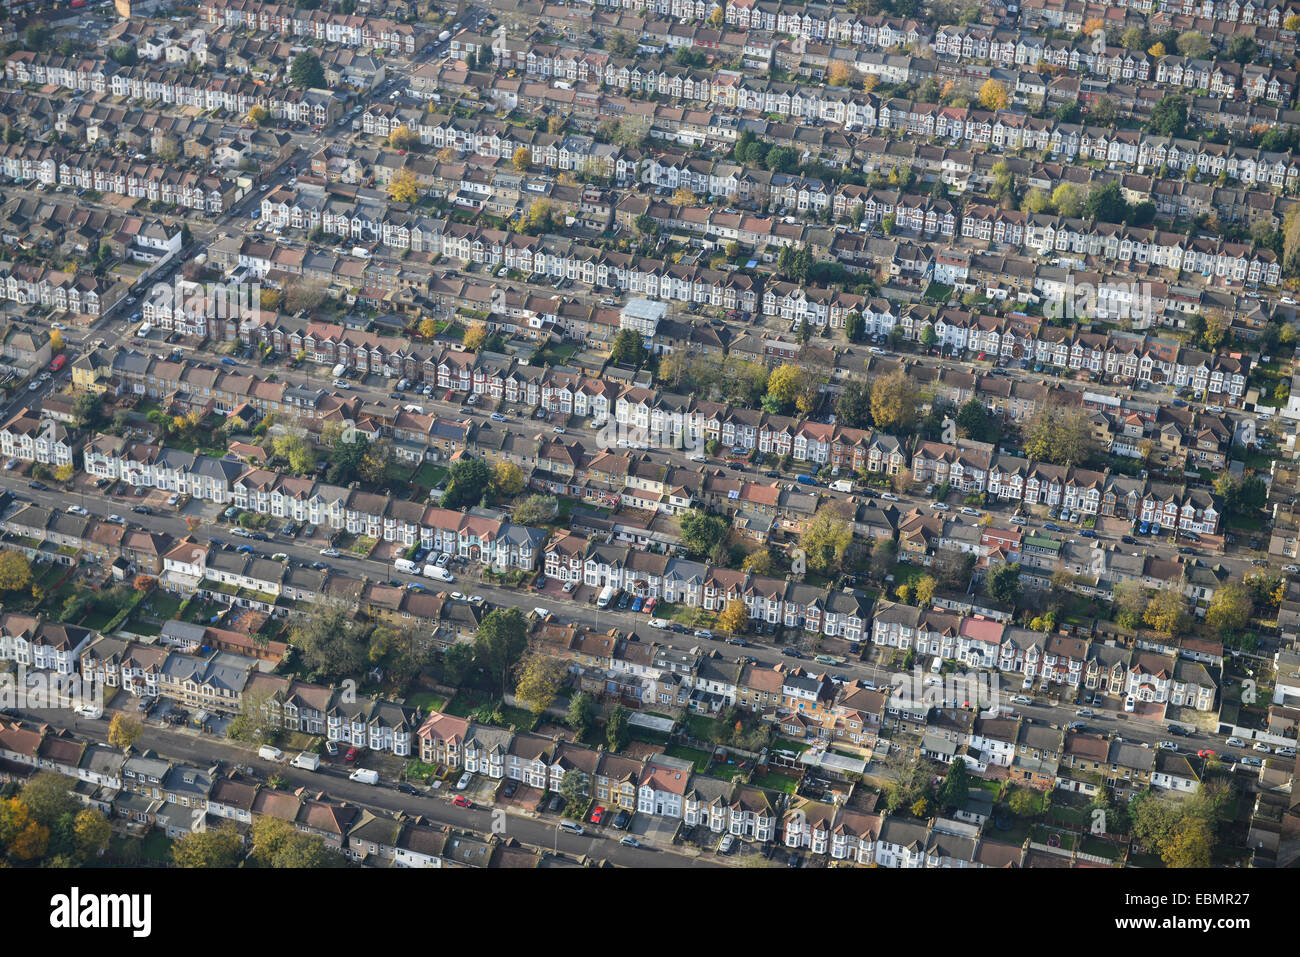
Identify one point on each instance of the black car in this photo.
(771, 475)
(556, 803)
(1128, 539)
(623, 819)
(260, 537)
(39, 486)
(790, 653)
(406, 788)
(100, 483)
(319, 566)
(510, 788)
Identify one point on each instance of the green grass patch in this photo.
(430, 475)
(776, 782)
(427, 701)
(649, 736)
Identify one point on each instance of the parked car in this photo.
(465, 780)
(630, 841)
(461, 801)
(597, 815)
(622, 819)
(1235, 742)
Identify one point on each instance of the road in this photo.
(205, 750)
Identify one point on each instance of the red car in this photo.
(461, 801)
(1205, 753)
(597, 814)
(351, 755)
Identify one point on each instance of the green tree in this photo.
(219, 847)
(575, 788)
(500, 644)
(628, 349)
(894, 400)
(537, 510)
(617, 730)
(306, 71)
(1003, 583)
(1230, 608)
(826, 539)
(701, 532)
(582, 714)
(92, 833)
(956, 784)
(540, 680)
(853, 407)
(1169, 116)
(49, 796)
(974, 421)
(468, 480)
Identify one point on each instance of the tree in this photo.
(826, 539)
(1037, 201)
(1166, 612)
(993, 95)
(507, 479)
(25, 838)
(1189, 844)
(582, 714)
(468, 480)
(522, 159)
(401, 138)
(476, 336)
(1157, 50)
(758, 563)
(853, 407)
(219, 847)
(617, 730)
(1059, 434)
(88, 410)
(974, 421)
(537, 510)
(1130, 601)
(56, 340)
(683, 196)
(701, 532)
(1169, 116)
(304, 294)
(123, 731)
(1134, 38)
(92, 833)
(258, 115)
(1003, 583)
(428, 328)
(628, 349)
(306, 71)
(278, 844)
(925, 587)
(956, 785)
(295, 449)
(787, 383)
(328, 641)
(575, 788)
(1023, 802)
(15, 571)
(500, 643)
(854, 326)
(1230, 608)
(49, 796)
(404, 187)
(540, 679)
(1068, 200)
(1107, 204)
(734, 617)
(1193, 43)
(839, 73)
(894, 399)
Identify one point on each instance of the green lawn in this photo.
(701, 727)
(775, 782)
(157, 848)
(465, 702)
(648, 736)
(427, 701)
(161, 605)
(430, 475)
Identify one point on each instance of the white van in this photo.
(441, 574)
(414, 409)
(571, 827)
(268, 753)
(842, 485)
(364, 776)
(407, 566)
(606, 596)
(307, 761)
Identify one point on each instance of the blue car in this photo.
(636, 605)
(246, 549)
(1145, 529)
(227, 361)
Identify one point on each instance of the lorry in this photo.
(606, 596)
(307, 761)
(268, 753)
(339, 370)
(407, 566)
(441, 574)
(842, 485)
(364, 776)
